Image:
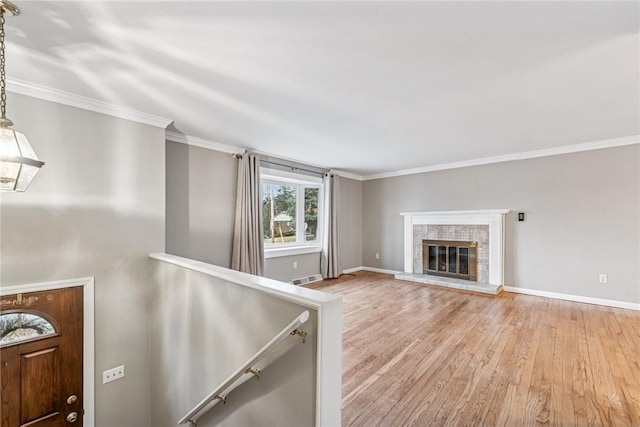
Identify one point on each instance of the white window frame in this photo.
(300, 246)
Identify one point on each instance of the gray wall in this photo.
(95, 209)
(210, 326)
(201, 203)
(350, 223)
(281, 268)
(200, 213)
(582, 218)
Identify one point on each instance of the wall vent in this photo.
(308, 279)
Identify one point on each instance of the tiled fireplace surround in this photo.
(486, 227)
(467, 233)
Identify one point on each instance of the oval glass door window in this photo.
(16, 327)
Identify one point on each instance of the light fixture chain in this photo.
(3, 92)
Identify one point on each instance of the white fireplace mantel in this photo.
(494, 218)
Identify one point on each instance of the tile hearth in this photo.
(449, 282)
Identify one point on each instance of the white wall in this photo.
(582, 218)
(95, 209)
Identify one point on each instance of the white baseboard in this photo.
(381, 270)
(375, 270)
(525, 291)
(574, 298)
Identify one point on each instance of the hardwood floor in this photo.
(422, 356)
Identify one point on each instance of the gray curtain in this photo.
(248, 244)
(329, 263)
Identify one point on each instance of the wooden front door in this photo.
(41, 358)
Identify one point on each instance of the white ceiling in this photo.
(366, 87)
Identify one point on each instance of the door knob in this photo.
(72, 399)
(72, 417)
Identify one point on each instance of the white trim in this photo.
(203, 143)
(464, 215)
(524, 291)
(54, 95)
(566, 149)
(300, 245)
(329, 363)
(373, 269)
(291, 250)
(349, 175)
(574, 298)
(278, 176)
(296, 294)
(88, 357)
(35, 90)
(381, 270)
(494, 218)
(352, 270)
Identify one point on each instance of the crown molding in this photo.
(54, 95)
(348, 175)
(203, 143)
(567, 149)
(66, 98)
(233, 149)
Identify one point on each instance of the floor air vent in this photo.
(308, 279)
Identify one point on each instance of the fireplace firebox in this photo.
(450, 258)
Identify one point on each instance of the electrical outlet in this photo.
(112, 374)
(295, 264)
(377, 256)
(603, 278)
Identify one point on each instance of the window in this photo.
(291, 214)
(15, 327)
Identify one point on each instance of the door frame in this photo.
(88, 345)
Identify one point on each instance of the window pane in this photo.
(279, 213)
(16, 327)
(311, 214)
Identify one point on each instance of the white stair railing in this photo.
(253, 366)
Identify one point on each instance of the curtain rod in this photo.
(295, 168)
(269, 162)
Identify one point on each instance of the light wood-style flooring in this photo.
(421, 356)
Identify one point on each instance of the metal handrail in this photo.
(220, 393)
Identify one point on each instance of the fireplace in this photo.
(455, 238)
(450, 258)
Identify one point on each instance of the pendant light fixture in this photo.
(18, 162)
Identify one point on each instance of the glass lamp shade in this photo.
(18, 163)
